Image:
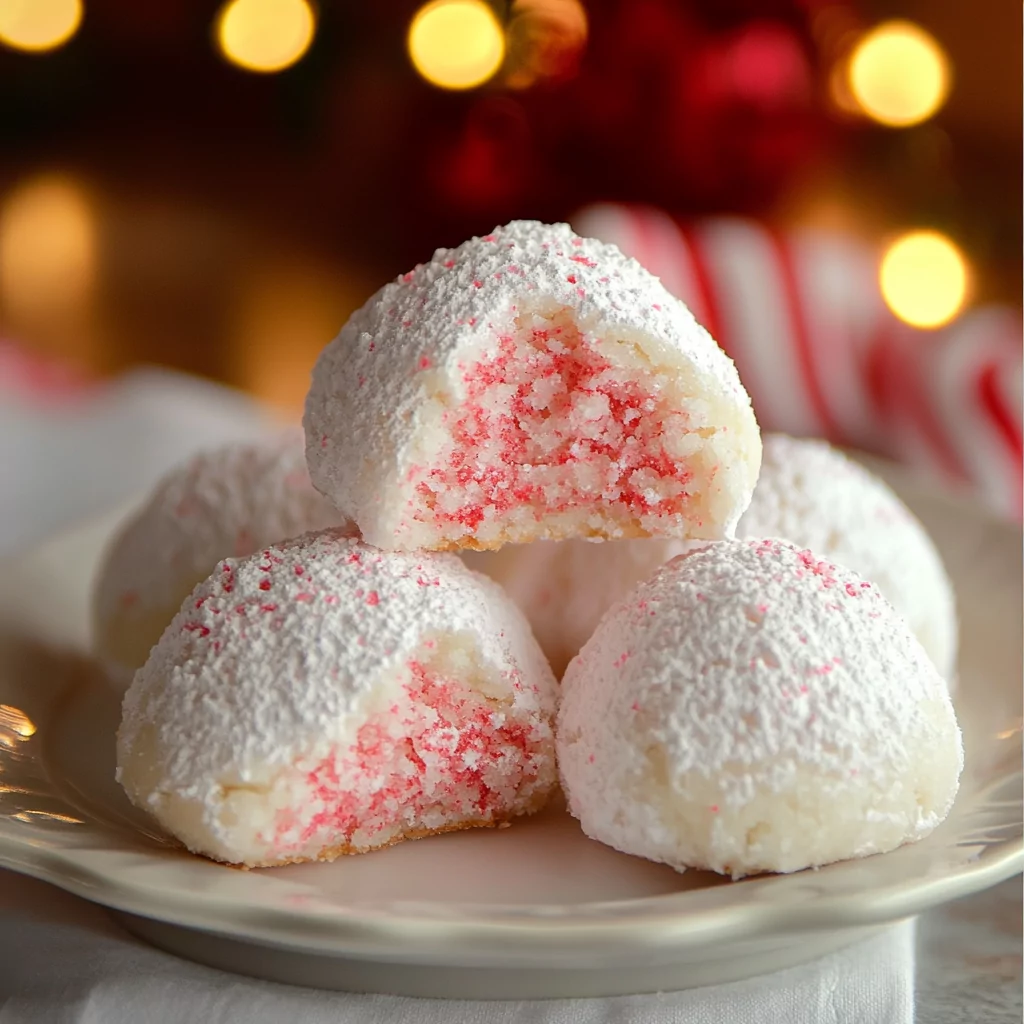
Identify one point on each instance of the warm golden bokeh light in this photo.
(843, 100)
(284, 312)
(38, 25)
(456, 44)
(265, 35)
(899, 74)
(545, 40)
(923, 277)
(47, 249)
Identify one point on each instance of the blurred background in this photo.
(214, 187)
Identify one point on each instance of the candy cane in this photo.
(802, 316)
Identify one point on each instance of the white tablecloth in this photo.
(64, 961)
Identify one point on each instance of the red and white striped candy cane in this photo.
(820, 354)
(955, 401)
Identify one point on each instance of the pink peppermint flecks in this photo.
(345, 793)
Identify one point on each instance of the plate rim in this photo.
(512, 934)
(362, 934)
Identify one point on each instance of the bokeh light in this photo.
(899, 74)
(284, 307)
(456, 44)
(923, 277)
(48, 249)
(545, 41)
(38, 25)
(844, 103)
(265, 35)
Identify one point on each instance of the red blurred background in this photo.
(160, 203)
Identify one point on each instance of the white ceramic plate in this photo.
(533, 910)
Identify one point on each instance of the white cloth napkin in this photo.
(64, 961)
(65, 457)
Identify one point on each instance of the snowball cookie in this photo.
(529, 385)
(752, 708)
(564, 587)
(230, 501)
(817, 498)
(808, 492)
(323, 697)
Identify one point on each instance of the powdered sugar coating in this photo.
(808, 493)
(754, 708)
(816, 497)
(305, 699)
(425, 345)
(230, 501)
(564, 587)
